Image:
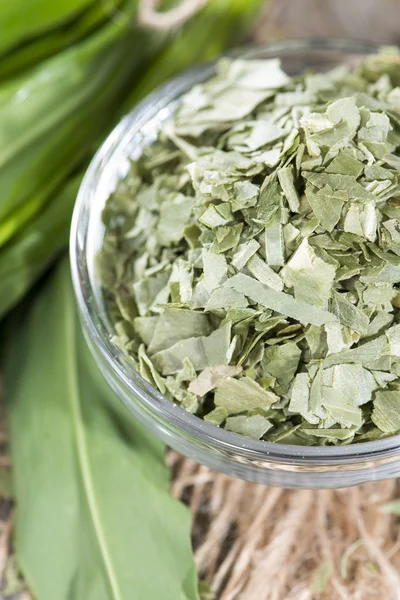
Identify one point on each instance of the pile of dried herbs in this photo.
(252, 255)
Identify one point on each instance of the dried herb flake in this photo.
(251, 257)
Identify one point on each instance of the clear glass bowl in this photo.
(268, 463)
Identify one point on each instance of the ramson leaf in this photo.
(310, 277)
(348, 314)
(202, 351)
(263, 272)
(240, 395)
(279, 301)
(210, 378)
(176, 324)
(386, 413)
(286, 179)
(174, 214)
(254, 426)
(99, 487)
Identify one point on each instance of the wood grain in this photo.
(370, 20)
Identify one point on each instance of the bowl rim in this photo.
(99, 336)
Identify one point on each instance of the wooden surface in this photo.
(369, 20)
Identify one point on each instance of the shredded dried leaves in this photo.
(251, 258)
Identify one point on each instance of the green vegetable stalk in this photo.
(21, 21)
(47, 126)
(63, 34)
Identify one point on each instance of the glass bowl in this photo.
(269, 463)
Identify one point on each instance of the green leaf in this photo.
(348, 314)
(353, 381)
(269, 201)
(340, 183)
(41, 16)
(361, 220)
(386, 412)
(364, 354)
(77, 90)
(286, 179)
(202, 351)
(326, 204)
(311, 277)
(331, 434)
(29, 253)
(226, 298)
(345, 164)
(340, 409)
(254, 426)
(263, 272)
(282, 362)
(239, 395)
(217, 416)
(91, 484)
(215, 270)
(51, 41)
(212, 218)
(210, 378)
(174, 214)
(274, 243)
(279, 301)
(177, 324)
(226, 238)
(300, 398)
(244, 253)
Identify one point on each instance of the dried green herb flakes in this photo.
(251, 258)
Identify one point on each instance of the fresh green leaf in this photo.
(90, 482)
(29, 253)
